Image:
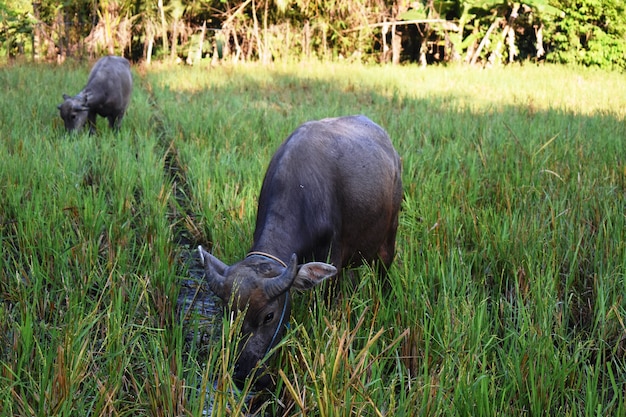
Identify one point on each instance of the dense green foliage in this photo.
(486, 32)
(506, 296)
(593, 34)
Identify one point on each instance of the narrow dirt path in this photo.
(197, 306)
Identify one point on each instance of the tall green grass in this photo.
(506, 296)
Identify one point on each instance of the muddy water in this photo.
(199, 308)
(201, 312)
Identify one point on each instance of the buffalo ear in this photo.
(66, 96)
(312, 274)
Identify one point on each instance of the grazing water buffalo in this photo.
(107, 93)
(332, 192)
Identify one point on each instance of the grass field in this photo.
(507, 293)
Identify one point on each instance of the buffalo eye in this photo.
(268, 318)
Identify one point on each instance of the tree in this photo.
(16, 25)
(113, 32)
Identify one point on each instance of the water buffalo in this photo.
(107, 94)
(332, 192)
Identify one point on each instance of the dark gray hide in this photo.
(332, 192)
(107, 94)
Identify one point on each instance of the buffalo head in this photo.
(260, 285)
(74, 112)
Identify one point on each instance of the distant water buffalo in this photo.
(332, 192)
(107, 94)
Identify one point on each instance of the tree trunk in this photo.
(423, 50)
(201, 43)
(37, 32)
(226, 37)
(266, 53)
(539, 44)
(238, 50)
(424, 46)
(511, 42)
(384, 56)
(511, 33)
(108, 26)
(149, 51)
(174, 41)
(261, 44)
(163, 27)
(63, 35)
(396, 39)
(324, 46)
(148, 44)
(306, 42)
(396, 45)
(216, 54)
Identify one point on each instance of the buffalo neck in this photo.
(279, 231)
(267, 256)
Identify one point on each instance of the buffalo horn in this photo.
(80, 107)
(215, 280)
(280, 284)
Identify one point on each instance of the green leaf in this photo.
(413, 14)
(485, 4)
(468, 41)
(444, 6)
(544, 7)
